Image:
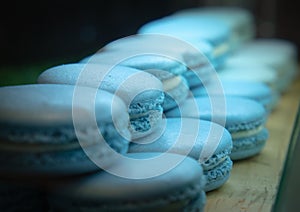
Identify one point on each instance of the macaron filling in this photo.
(217, 168)
(220, 49)
(219, 174)
(145, 115)
(59, 137)
(247, 133)
(249, 143)
(176, 91)
(60, 159)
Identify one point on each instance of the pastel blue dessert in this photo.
(240, 21)
(196, 55)
(278, 54)
(172, 191)
(257, 91)
(194, 137)
(251, 72)
(166, 69)
(245, 120)
(46, 132)
(196, 29)
(141, 92)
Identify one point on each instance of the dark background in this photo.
(53, 32)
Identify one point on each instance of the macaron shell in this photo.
(124, 81)
(104, 190)
(190, 53)
(276, 53)
(45, 132)
(256, 73)
(251, 146)
(257, 91)
(31, 105)
(240, 20)
(138, 59)
(219, 175)
(185, 27)
(142, 92)
(207, 142)
(176, 91)
(186, 136)
(239, 113)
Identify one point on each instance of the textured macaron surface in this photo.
(172, 190)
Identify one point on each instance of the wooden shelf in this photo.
(253, 183)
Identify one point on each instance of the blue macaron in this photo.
(141, 92)
(195, 54)
(194, 28)
(174, 190)
(245, 119)
(57, 130)
(257, 91)
(168, 70)
(251, 72)
(208, 143)
(240, 21)
(279, 54)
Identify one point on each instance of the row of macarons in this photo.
(49, 137)
(38, 121)
(178, 104)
